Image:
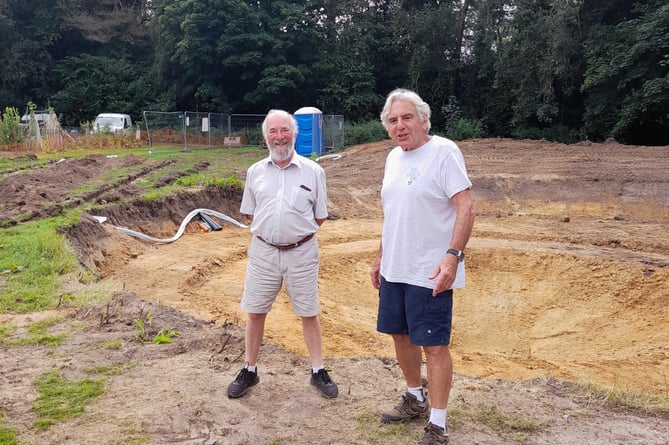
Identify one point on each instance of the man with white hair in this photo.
(428, 218)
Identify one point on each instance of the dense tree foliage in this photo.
(627, 77)
(558, 69)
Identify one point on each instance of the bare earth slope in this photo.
(567, 280)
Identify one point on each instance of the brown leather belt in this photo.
(287, 246)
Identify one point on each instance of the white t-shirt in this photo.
(285, 202)
(419, 215)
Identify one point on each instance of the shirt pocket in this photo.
(300, 199)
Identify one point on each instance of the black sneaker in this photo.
(324, 383)
(245, 379)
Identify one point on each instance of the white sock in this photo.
(250, 368)
(418, 392)
(438, 417)
(316, 369)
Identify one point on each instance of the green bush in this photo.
(464, 128)
(364, 132)
(558, 133)
(10, 130)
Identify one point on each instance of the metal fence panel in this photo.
(194, 129)
(248, 127)
(164, 127)
(333, 132)
(205, 130)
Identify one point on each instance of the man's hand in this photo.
(376, 268)
(444, 273)
(376, 274)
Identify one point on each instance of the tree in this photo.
(237, 55)
(292, 74)
(432, 53)
(116, 24)
(627, 76)
(30, 30)
(95, 84)
(538, 69)
(351, 29)
(556, 69)
(488, 26)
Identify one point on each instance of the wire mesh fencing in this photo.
(196, 130)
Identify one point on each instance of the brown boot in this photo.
(434, 435)
(409, 408)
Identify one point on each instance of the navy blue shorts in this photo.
(408, 309)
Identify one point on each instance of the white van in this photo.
(112, 123)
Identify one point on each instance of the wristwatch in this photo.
(458, 253)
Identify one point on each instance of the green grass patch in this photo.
(516, 428)
(61, 399)
(457, 417)
(622, 398)
(7, 435)
(191, 168)
(6, 333)
(17, 164)
(32, 258)
(113, 344)
(221, 167)
(208, 181)
(492, 417)
(113, 178)
(107, 371)
(36, 334)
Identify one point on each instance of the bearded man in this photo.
(286, 198)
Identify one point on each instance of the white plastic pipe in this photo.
(182, 227)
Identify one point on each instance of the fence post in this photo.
(148, 133)
(184, 126)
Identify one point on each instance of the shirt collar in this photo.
(296, 160)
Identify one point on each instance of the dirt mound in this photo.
(46, 190)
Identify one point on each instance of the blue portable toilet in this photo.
(310, 137)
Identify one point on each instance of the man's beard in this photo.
(281, 154)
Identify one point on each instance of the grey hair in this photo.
(422, 108)
(293, 122)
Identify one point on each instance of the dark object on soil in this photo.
(209, 222)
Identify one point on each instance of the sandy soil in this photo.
(568, 281)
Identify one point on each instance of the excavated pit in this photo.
(567, 267)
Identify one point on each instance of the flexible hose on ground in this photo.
(182, 227)
(334, 157)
